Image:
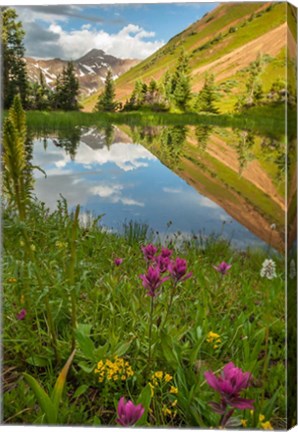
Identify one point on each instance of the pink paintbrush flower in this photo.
(22, 314)
(128, 413)
(223, 267)
(118, 261)
(229, 385)
(149, 251)
(177, 269)
(152, 281)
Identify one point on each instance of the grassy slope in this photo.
(251, 20)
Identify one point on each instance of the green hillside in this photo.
(225, 42)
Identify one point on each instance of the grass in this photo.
(112, 319)
(266, 119)
(63, 289)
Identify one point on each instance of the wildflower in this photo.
(166, 253)
(173, 390)
(149, 251)
(213, 337)
(268, 269)
(152, 281)
(174, 403)
(222, 268)
(22, 299)
(11, 280)
(162, 263)
(128, 413)
(22, 314)
(166, 411)
(261, 417)
(177, 270)
(22, 243)
(266, 425)
(60, 244)
(118, 261)
(244, 422)
(273, 226)
(158, 375)
(168, 378)
(117, 370)
(232, 381)
(33, 247)
(292, 269)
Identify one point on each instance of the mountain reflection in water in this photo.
(203, 179)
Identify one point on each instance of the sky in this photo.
(124, 30)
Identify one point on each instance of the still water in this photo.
(159, 176)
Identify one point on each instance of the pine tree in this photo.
(207, 96)
(14, 68)
(106, 101)
(178, 86)
(67, 90)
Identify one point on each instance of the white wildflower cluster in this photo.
(268, 269)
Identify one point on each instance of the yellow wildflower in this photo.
(168, 377)
(33, 247)
(266, 425)
(261, 417)
(244, 422)
(166, 410)
(174, 403)
(11, 280)
(159, 375)
(213, 337)
(173, 390)
(22, 299)
(22, 243)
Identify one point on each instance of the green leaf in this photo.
(169, 350)
(86, 367)
(122, 348)
(60, 383)
(80, 390)
(96, 421)
(37, 361)
(44, 400)
(145, 400)
(85, 343)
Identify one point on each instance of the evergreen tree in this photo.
(67, 90)
(254, 91)
(207, 96)
(106, 101)
(14, 68)
(177, 86)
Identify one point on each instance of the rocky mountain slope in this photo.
(91, 69)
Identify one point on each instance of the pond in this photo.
(182, 181)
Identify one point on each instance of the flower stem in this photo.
(150, 333)
(169, 305)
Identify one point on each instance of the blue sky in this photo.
(123, 30)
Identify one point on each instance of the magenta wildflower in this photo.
(152, 281)
(162, 263)
(177, 269)
(128, 413)
(166, 253)
(22, 314)
(149, 251)
(222, 267)
(229, 385)
(118, 261)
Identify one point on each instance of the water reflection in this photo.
(199, 177)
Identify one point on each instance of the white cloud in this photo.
(130, 42)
